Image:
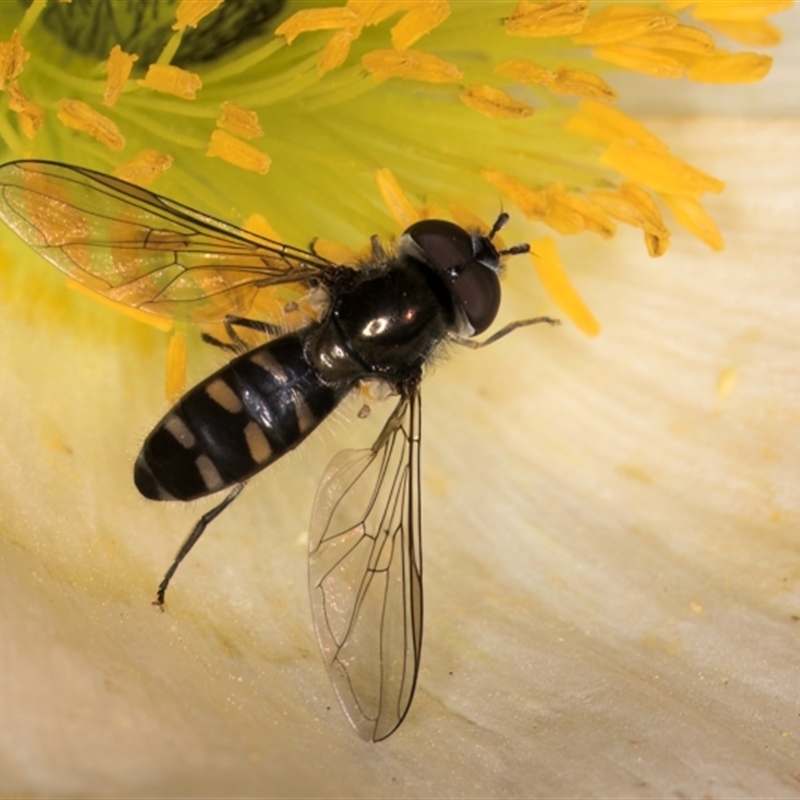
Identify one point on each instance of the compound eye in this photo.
(478, 290)
(447, 246)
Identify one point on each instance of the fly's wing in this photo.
(143, 250)
(365, 574)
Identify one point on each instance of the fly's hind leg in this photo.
(237, 344)
(512, 326)
(191, 540)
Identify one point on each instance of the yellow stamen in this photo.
(532, 204)
(190, 12)
(395, 198)
(610, 125)
(656, 63)
(557, 284)
(582, 83)
(521, 69)
(144, 167)
(722, 67)
(494, 103)
(619, 22)
(335, 251)
(335, 52)
(12, 59)
(77, 115)
(237, 152)
(659, 170)
(423, 18)
(681, 38)
(175, 367)
(757, 33)
(690, 214)
(31, 117)
(317, 19)
(118, 69)
(239, 121)
(540, 20)
(411, 65)
(171, 80)
(631, 205)
(258, 224)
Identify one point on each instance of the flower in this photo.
(609, 522)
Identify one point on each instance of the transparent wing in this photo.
(365, 574)
(141, 249)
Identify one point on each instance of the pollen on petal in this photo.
(421, 19)
(237, 152)
(118, 69)
(494, 103)
(12, 59)
(557, 284)
(540, 20)
(647, 61)
(171, 80)
(239, 121)
(77, 115)
(31, 117)
(258, 224)
(395, 198)
(144, 167)
(335, 252)
(411, 65)
(600, 121)
(175, 367)
(659, 170)
(690, 214)
(190, 12)
(317, 19)
(618, 22)
(722, 67)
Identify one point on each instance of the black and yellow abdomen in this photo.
(236, 422)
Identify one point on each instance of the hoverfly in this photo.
(382, 321)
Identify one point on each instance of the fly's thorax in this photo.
(387, 323)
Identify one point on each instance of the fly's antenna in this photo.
(517, 249)
(499, 224)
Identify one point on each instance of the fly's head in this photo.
(469, 262)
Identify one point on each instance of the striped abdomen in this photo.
(235, 423)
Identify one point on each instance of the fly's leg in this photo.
(512, 326)
(237, 344)
(191, 540)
